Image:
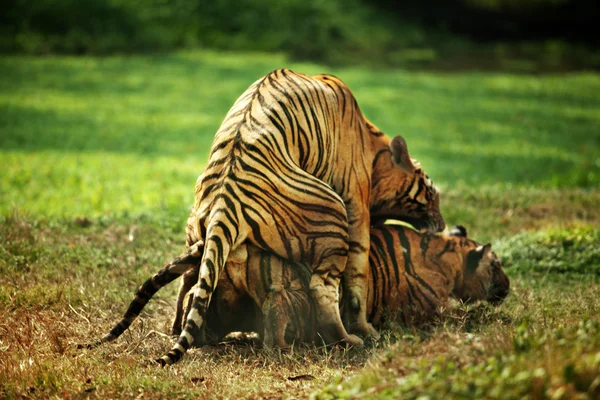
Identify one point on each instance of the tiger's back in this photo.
(279, 121)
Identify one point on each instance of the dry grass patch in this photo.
(67, 282)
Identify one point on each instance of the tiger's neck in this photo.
(445, 256)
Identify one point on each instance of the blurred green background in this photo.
(108, 107)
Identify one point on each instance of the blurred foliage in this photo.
(513, 4)
(503, 19)
(435, 33)
(304, 28)
(95, 26)
(570, 250)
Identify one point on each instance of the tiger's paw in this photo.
(367, 331)
(373, 334)
(352, 341)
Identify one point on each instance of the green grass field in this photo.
(99, 157)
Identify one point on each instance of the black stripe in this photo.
(391, 252)
(204, 285)
(380, 153)
(448, 247)
(422, 283)
(265, 269)
(408, 261)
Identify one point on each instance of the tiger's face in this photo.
(500, 282)
(483, 277)
(402, 190)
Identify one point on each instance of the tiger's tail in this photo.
(219, 242)
(169, 273)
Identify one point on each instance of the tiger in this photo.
(411, 277)
(413, 274)
(297, 170)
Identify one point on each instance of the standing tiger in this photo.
(295, 169)
(411, 276)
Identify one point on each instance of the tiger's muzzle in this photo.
(500, 288)
(432, 224)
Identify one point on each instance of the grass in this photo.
(99, 157)
(67, 281)
(552, 362)
(108, 136)
(575, 250)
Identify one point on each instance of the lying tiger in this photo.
(412, 275)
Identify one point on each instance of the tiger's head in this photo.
(401, 189)
(482, 273)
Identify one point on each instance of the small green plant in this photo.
(569, 250)
(542, 364)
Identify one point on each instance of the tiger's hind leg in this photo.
(288, 317)
(188, 281)
(200, 335)
(305, 221)
(276, 317)
(291, 214)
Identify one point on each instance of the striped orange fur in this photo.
(297, 170)
(411, 277)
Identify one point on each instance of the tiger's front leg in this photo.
(355, 277)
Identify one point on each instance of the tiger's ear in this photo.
(458, 230)
(400, 154)
(474, 257)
